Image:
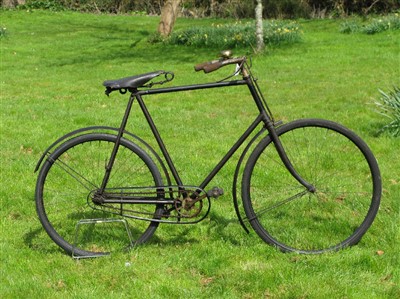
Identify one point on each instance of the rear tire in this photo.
(74, 170)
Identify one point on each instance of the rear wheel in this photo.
(67, 181)
(337, 163)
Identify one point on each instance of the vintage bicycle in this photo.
(308, 186)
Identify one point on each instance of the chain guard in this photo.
(166, 204)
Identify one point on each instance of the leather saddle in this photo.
(130, 83)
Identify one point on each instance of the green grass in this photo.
(52, 67)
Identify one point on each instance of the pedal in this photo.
(215, 192)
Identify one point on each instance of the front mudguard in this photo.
(105, 129)
(236, 176)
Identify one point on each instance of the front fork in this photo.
(270, 126)
(285, 159)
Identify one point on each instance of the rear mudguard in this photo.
(145, 146)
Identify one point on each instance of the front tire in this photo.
(337, 163)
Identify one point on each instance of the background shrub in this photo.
(349, 27)
(52, 5)
(389, 106)
(375, 25)
(223, 8)
(3, 31)
(236, 35)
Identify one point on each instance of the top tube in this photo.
(192, 87)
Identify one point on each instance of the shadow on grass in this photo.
(35, 242)
(217, 228)
(228, 230)
(174, 238)
(134, 53)
(116, 45)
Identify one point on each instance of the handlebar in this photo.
(214, 65)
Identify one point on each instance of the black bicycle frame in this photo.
(263, 116)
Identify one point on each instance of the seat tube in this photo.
(117, 142)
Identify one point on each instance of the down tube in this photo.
(233, 149)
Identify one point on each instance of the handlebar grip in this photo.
(212, 67)
(200, 66)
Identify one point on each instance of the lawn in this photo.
(52, 68)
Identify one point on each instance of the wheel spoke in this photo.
(276, 205)
(74, 174)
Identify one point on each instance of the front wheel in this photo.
(347, 184)
(69, 177)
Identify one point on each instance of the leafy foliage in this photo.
(349, 27)
(226, 8)
(382, 24)
(389, 106)
(3, 32)
(52, 5)
(236, 35)
(375, 25)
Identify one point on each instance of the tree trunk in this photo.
(11, 3)
(259, 27)
(168, 17)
